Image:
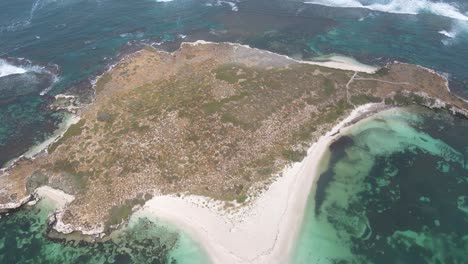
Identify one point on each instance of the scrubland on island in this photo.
(216, 120)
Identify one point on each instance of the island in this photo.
(223, 139)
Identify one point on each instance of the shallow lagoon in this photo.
(143, 240)
(393, 191)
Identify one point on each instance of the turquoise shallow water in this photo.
(394, 191)
(63, 45)
(144, 240)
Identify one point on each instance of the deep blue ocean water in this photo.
(54, 46)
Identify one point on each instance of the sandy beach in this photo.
(265, 230)
(334, 61)
(57, 197)
(69, 120)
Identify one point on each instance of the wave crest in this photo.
(399, 6)
(21, 72)
(8, 69)
(456, 33)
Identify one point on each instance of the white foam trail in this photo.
(48, 89)
(8, 69)
(399, 6)
(451, 35)
(37, 4)
(34, 7)
(231, 4)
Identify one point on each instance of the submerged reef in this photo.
(393, 192)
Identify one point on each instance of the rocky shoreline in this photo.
(14, 206)
(97, 229)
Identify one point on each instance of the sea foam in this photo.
(457, 30)
(25, 66)
(449, 34)
(8, 69)
(399, 6)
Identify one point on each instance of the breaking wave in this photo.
(231, 4)
(8, 69)
(399, 6)
(449, 34)
(456, 33)
(22, 72)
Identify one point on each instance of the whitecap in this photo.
(399, 6)
(453, 34)
(55, 79)
(8, 69)
(231, 4)
(450, 34)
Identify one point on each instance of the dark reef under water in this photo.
(395, 192)
(144, 240)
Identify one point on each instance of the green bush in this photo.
(73, 130)
(212, 107)
(241, 198)
(103, 116)
(364, 99)
(328, 87)
(293, 155)
(102, 81)
(120, 213)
